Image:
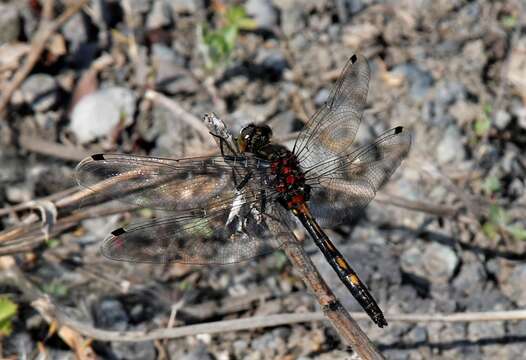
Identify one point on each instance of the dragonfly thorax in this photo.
(288, 177)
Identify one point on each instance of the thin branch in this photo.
(50, 148)
(433, 209)
(181, 114)
(341, 320)
(45, 30)
(50, 312)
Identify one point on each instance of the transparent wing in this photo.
(228, 235)
(346, 184)
(332, 129)
(168, 184)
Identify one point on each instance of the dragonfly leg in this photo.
(243, 182)
(263, 194)
(222, 143)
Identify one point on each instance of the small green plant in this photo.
(509, 21)
(483, 123)
(55, 288)
(218, 44)
(8, 310)
(499, 222)
(491, 185)
(52, 243)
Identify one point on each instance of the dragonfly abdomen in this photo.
(345, 272)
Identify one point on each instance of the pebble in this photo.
(9, 23)
(75, 31)
(450, 147)
(435, 264)
(262, 12)
(40, 91)
(321, 97)
(420, 81)
(478, 331)
(109, 314)
(99, 113)
(159, 17)
(513, 285)
(273, 63)
(171, 77)
(198, 354)
(292, 20)
(470, 279)
(519, 111)
(134, 350)
(186, 6)
(502, 119)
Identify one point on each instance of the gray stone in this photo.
(40, 92)
(478, 331)
(143, 350)
(171, 77)
(292, 17)
(435, 264)
(440, 262)
(520, 112)
(273, 63)
(75, 32)
(198, 354)
(321, 97)
(262, 12)
(9, 23)
(420, 81)
(513, 285)
(450, 147)
(502, 119)
(98, 113)
(470, 278)
(110, 314)
(160, 16)
(186, 6)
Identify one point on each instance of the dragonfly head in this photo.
(254, 137)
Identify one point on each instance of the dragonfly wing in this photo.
(167, 184)
(355, 178)
(222, 237)
(332, 129)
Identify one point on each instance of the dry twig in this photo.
(45, 30)
(181, 114)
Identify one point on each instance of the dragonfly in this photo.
(247, 201)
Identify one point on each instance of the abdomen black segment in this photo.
(345, 272)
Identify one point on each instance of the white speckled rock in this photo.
(97, 114)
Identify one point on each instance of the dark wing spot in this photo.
(118, 232)
(98, 157)
(398, 129)
(354, 58)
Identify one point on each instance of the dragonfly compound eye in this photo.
(253, 137)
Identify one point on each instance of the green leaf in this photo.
(491, 185)
(517, 231)
(51, 243)
(488, 109)
(509, 21)
(489, 230)
(55, 288)
(230, 37)
(234, 14)
(8, 310)
(482, 125)
(247, 24)
(498, 215)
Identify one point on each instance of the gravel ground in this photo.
(446, 235)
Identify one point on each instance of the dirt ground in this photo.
(446, 235)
